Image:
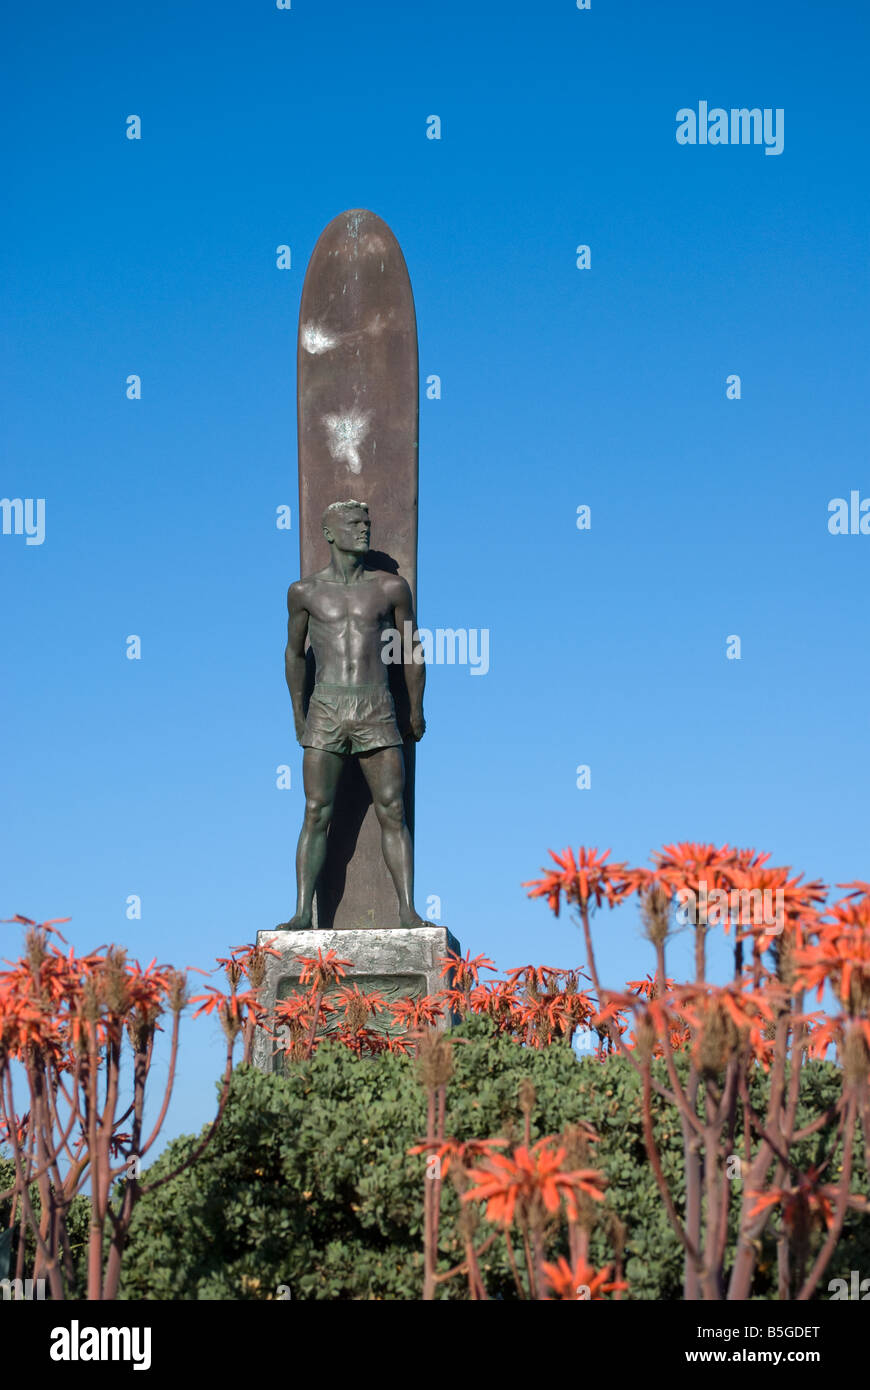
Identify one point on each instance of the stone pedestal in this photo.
(397, 962)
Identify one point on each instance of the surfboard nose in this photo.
(359, 231)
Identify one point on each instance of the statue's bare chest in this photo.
(333, 603)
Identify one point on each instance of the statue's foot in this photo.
(300, 922)
(411, 919)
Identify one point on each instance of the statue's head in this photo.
(347, 526)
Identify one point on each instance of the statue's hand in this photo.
(300, 727)
(417, 726)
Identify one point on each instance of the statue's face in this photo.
(351, 530)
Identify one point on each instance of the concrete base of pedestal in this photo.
(397, 962)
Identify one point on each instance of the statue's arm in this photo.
(414, 669)
(294, 653)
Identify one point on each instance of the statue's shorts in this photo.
(351, 719)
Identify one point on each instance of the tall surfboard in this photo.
(357, 412)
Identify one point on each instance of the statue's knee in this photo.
(391, 813)
(318, 813)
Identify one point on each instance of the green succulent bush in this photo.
(308, 1188)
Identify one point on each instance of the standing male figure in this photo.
(343, 610)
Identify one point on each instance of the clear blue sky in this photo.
(560, 387)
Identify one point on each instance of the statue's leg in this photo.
(384, 770)
(320, 774)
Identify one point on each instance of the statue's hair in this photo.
(343, 507)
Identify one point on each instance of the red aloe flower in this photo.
(550, 1014)
(297, 1014)
(208, 1002)
(826, 1031)
(464, 972)
(536, 977)
(363, 1040)
(711, 1009)
(117, 1142)
(687, 865)
(252, 960)
(649, 987)
(21, 1126)
(860, 889)
(232, 1009)
(464, 976)
(654, 1008)
(795, 900)
(585, 880)
(806, 1198)
(418, 1011)
(580, 1282)
(840, 956)
(613, 1011)
(454, 1151)
(743, 1006)
(498, 1000)
(359, 1004)
(250, 948)
(529, 1176)
(49, 926)
(322, 969)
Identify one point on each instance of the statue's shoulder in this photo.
(391, 583)
(301, 589)
(308, 581)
